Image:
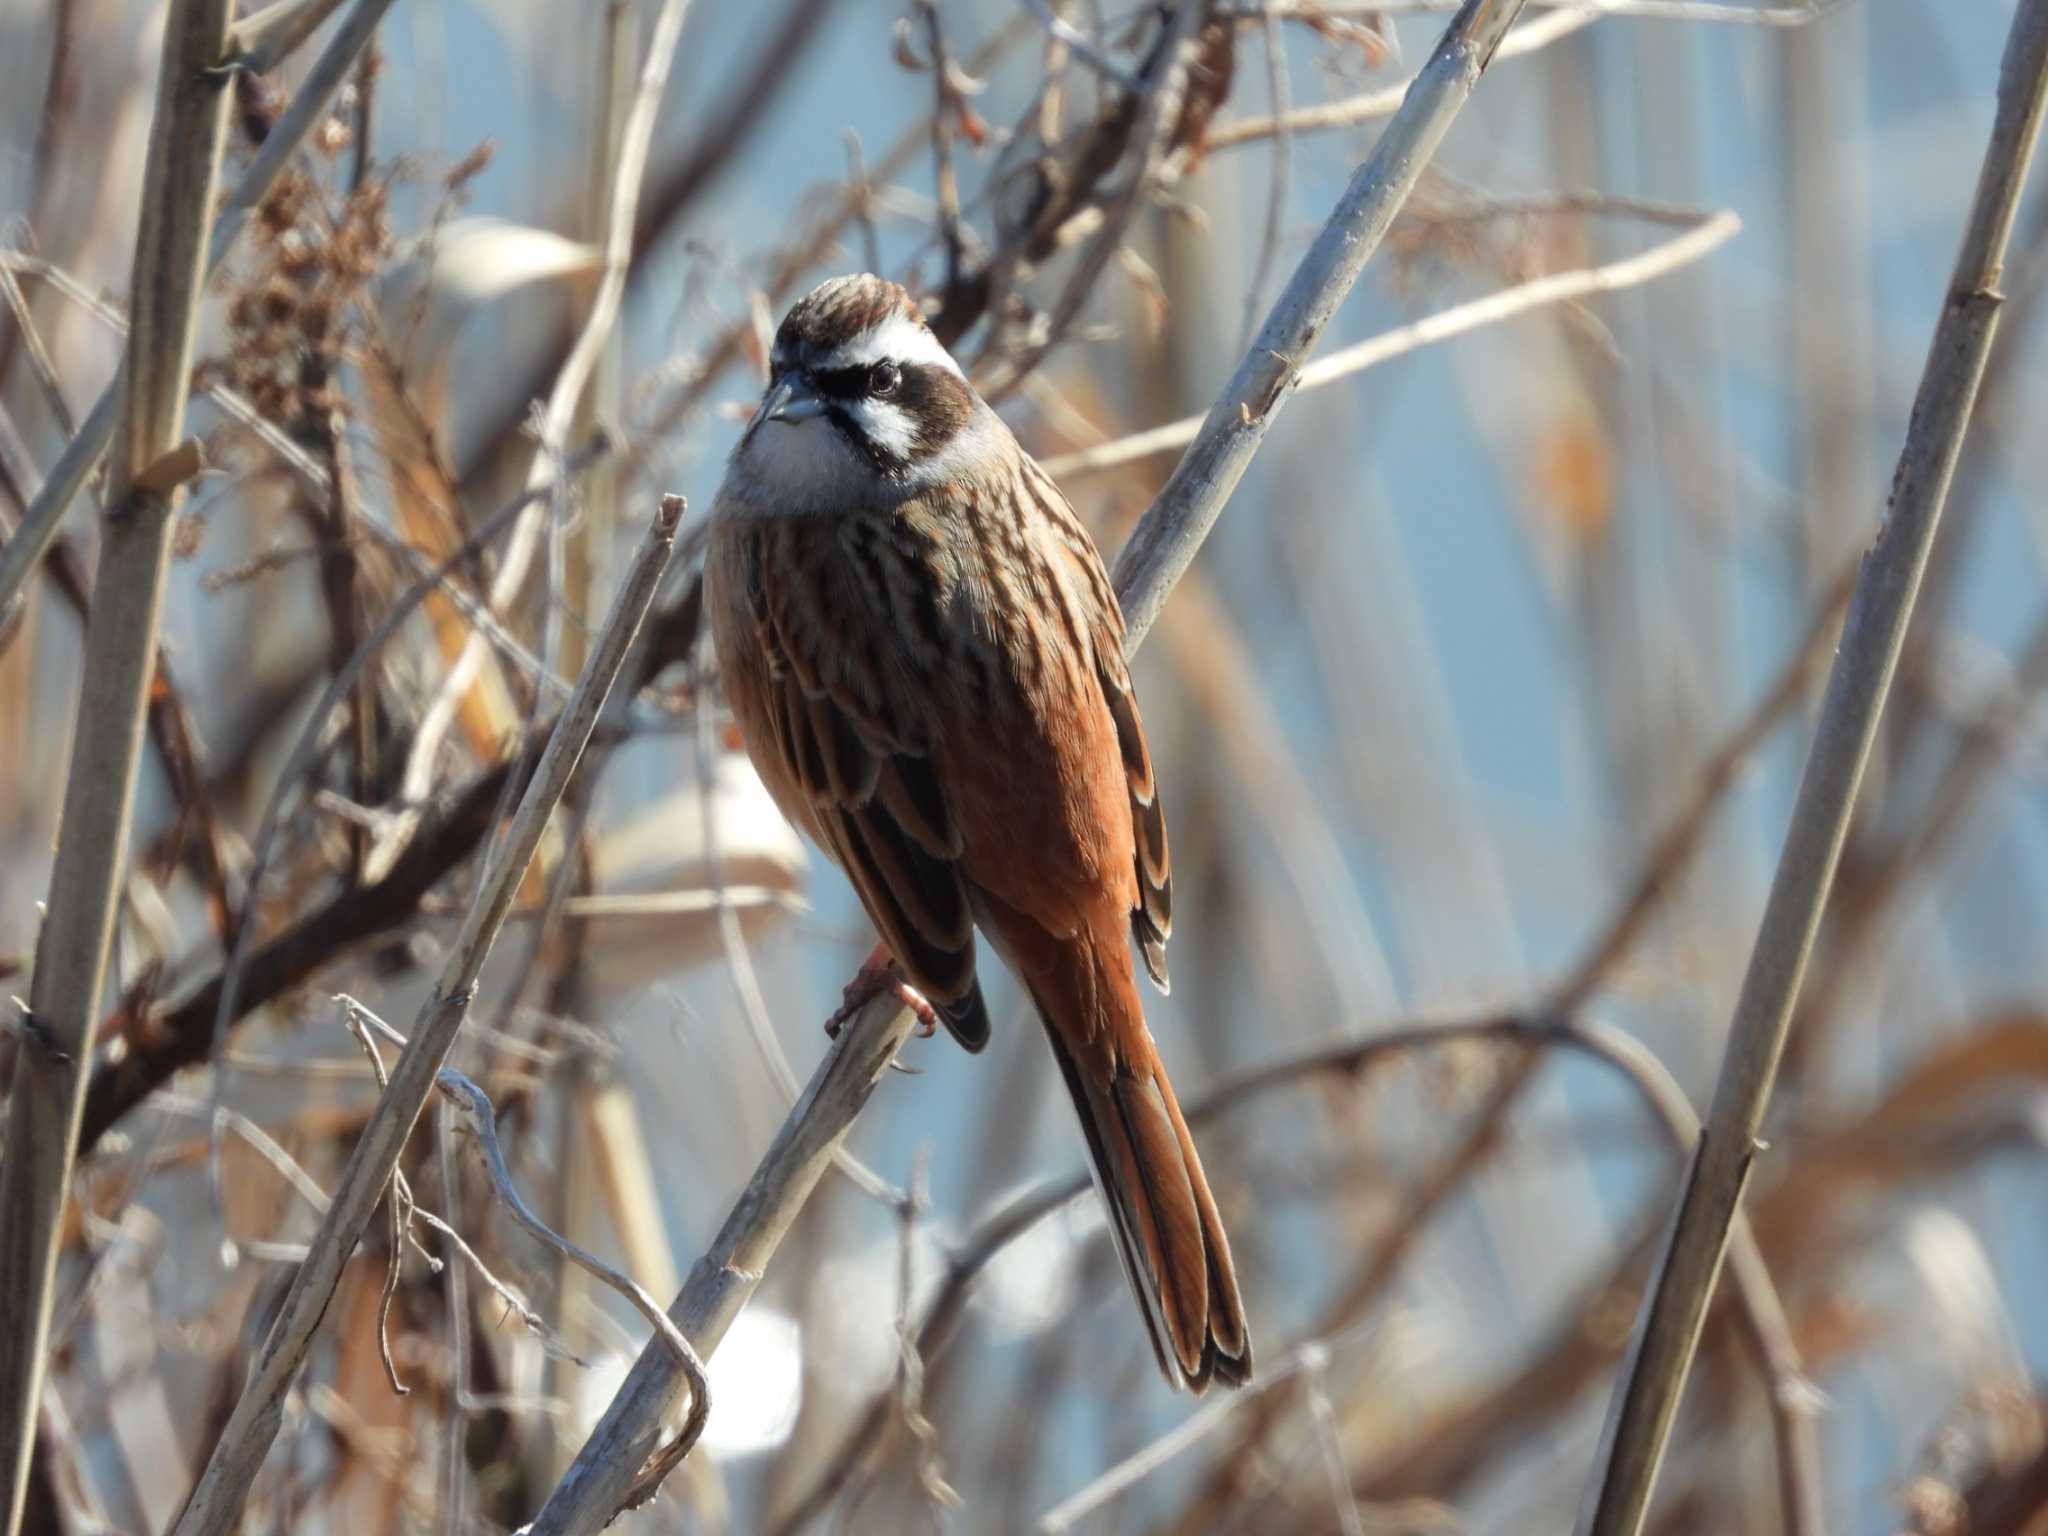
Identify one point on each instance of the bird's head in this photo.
(863, 403)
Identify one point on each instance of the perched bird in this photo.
(926, 661)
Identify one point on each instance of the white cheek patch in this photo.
(886, 425)
(898, 339)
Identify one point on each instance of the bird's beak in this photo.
(791, 399)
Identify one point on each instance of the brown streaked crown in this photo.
(841, 309)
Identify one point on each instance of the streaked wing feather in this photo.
(880, 807)
(1152, 919)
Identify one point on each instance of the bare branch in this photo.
(1180, 517)
(217, 1500)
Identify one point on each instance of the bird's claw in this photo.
(874, 979)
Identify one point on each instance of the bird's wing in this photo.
(856, 741)
(1152, 917)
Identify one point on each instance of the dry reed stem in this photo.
(48, 1098)
(1660, 1356)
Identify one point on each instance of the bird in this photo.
(924, 657)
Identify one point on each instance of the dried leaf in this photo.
(1574, 478)
(904, 51)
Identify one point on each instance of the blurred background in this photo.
(1478, 723)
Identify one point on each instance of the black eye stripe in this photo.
(862, 380)
(842, 383)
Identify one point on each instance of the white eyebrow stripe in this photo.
(898, 339)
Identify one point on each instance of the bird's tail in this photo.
(1163, 1217)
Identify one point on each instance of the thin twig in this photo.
(475, 1118)
(187, 134)
(945, 128)
(38, 355)
(1386, 100)
(1711, 231)
(909, 1384)
(1081, 45)
(1277, 181)
(1197, 1426)
(1315, 1370)
(863, 193)
(1669, 855)
(605, 1472)
(1660, 1357)
(398, 1203)
(216, 1501)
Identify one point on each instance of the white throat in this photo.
(806, 469)
(800, 469)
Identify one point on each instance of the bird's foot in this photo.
(878, 976)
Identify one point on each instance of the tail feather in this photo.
(1162, 1216)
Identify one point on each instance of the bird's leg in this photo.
(878, 975)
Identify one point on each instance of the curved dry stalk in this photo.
(47, 1104)
(605, 1472)
(1660, 1355)
(216, 1502)
(1709, 232)
(477, 1120)
(544, 475)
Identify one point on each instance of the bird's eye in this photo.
(883, 379)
